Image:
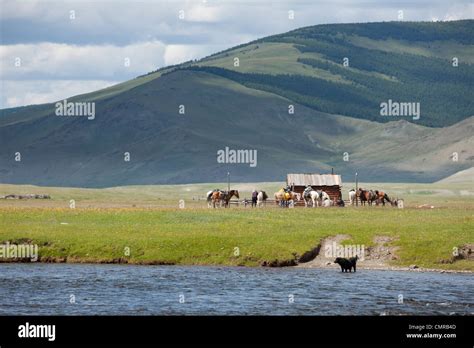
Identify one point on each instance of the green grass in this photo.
(162, 233)
(277, 58)
(441, 195)
(438, 49)
(270, 58)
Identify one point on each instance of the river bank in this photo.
(400, 238)
(123, 262)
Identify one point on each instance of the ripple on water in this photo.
(153, 290)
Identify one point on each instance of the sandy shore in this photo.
(376, 257)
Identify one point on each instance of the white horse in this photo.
(261, 198)
(352, 196)
(327, 203)
(210, 203)
(317, 198)
(209, 198)
(323, 197)
(312, 196)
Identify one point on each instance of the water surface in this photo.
(46, 289)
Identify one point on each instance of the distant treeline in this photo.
(445, 92)
(459, 31)
(442, 103)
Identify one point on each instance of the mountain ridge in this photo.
(245, 107)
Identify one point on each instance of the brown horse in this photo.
(382, 197)
(366, 196)
(223, 197)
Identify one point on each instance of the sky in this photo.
(54, 49)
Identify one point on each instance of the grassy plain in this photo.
(146, 221)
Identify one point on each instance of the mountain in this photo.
(336, 121)
(462, 177)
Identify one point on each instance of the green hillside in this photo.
(337, 111)
(406, 62)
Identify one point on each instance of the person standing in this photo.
(254, 198)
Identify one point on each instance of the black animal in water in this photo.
(347, 264)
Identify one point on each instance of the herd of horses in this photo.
(370, 197)
(285, 197)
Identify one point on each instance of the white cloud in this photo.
(204, 13)
(62, 61)
(175, 54)
(18, 93)
(91, 49)
(51, 71)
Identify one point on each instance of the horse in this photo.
(312, 196)
(279, 196)
(382, 197)
(352, 196)
(323, 196)
(327, 203)
(209, 197)
(290, 198)
(261, 198)
(397, 202)
(318, 197)
(366, 196)
(226, 196)
(372, 197)
(284, 198)
(216, 196)
(361, 195)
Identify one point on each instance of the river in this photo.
(86, 289)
